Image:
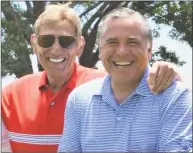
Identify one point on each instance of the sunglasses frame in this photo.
(59, 40)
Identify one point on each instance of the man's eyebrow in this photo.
(133, 38)
(110, 39)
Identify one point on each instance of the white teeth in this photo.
(56, 60)
(122, 63)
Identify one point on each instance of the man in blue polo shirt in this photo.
(120, 113)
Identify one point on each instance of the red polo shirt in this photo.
(34, 115)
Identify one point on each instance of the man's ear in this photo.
(149, 50)
(33, 43)
(81, 46)
(99, 48)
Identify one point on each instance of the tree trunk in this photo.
(88, 58)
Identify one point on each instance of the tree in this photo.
(17, 26)
(15, 50)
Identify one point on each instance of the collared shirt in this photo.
(95, 122)
(34, 115)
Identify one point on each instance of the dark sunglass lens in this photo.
(67, 41)
(46, 41)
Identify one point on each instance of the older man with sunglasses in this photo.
(33, 106)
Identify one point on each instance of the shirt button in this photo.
(52, 103)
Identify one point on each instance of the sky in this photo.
(183, 50)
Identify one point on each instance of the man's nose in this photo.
(122, 49)
(56, 45)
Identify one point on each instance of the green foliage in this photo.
(88, 3)
(178, 15)
(14, 48)
(163, 55)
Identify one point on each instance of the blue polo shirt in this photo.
(95, 122)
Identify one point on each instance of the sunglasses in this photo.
(46, 41)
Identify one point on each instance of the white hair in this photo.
(124, 12)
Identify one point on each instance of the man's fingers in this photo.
(155, 80)
(164, 80)
(167, 78)
(160, 76)
(152, 76)
(164, 86)
(169, 82)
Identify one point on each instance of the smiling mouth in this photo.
(122, 63)
(56, 60)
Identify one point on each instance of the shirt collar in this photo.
(106, 90)
(142, 89)
(43, 81)
(70, 83)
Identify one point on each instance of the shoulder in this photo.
(89, 88)
(177, 96)
(84, 92)
(27, 80)
(176, 89)
(87, 74)
(14, 91)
